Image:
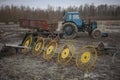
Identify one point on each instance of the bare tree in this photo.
(53, 15)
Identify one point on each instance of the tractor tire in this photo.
(70, 30)
(96, 34)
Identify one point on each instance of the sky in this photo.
(56, 3)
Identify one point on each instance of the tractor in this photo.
(69, 28)
(73, 24)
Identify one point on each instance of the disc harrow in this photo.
(85, 59)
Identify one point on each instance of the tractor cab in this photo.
(73, 17)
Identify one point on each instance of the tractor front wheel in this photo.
(96, 34)
(69, 30)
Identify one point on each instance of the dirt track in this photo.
(18, 66)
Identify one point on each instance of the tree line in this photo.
(53, 15)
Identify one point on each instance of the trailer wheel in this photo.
(96, 34)
(70, 30)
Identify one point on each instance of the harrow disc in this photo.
(50, 50)
(66, 54)
(38, 46)
(27, 43)
(86, 58)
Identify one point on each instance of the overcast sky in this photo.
(55, 3)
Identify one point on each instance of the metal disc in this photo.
(50, 50)
(86, 57)
(38, 46)
(27, 43)
(66, 54)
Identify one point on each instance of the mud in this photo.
(18, 66)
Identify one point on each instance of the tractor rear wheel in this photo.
(96, 34)
(70, 30)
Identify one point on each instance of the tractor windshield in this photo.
(76, 16)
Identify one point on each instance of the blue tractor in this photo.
(73, 24)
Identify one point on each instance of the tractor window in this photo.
(76, 16)
(70, 16)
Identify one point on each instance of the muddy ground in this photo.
(18, 66)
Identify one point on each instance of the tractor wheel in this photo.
(70, 30)
(96, 34)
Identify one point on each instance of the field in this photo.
(18, 66)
